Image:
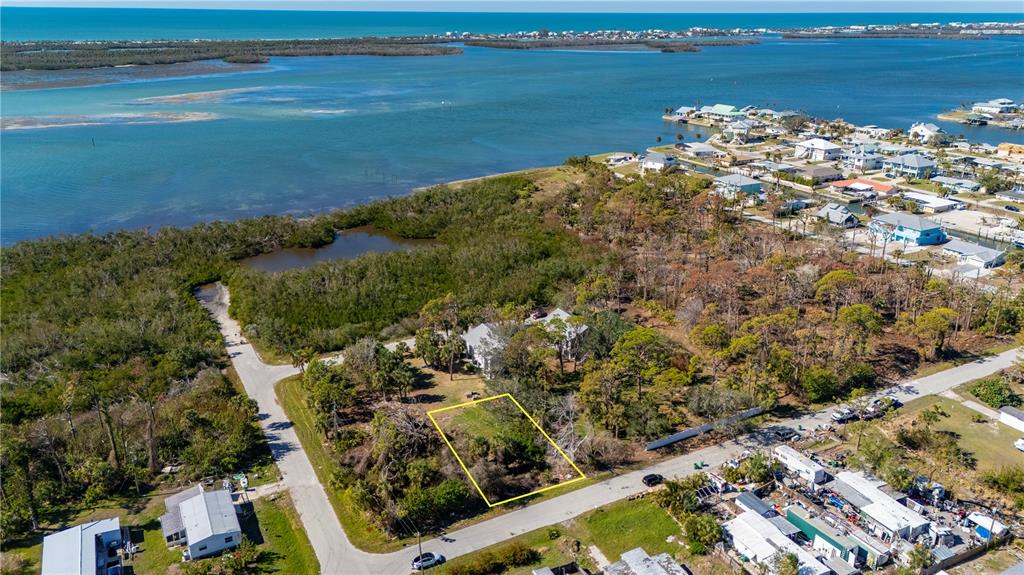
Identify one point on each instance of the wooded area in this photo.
(112, 369)
(65, 55)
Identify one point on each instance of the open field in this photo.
(990, 442)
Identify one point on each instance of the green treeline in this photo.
(64, 55)
(491, 247)
(111, 368)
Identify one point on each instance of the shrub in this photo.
(995, 392)
(819, 384)
(496, 561)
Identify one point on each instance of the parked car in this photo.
(1014, 209)
(873, 411)
(426, 561)
(652, 479)
(843, 415)
(896, 403)
(786, 433)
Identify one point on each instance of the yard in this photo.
(991, 442)
(275, 527)
(613, 529)
(283, 538)
(625, 525)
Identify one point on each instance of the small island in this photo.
(67, 55)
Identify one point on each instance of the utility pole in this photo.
(419, 549)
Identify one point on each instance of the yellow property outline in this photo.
(431, 413)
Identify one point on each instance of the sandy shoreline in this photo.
(22, 80)
(47, 122)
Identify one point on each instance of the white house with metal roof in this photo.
(656, 161)
(884, 514)
(974, 254)
(759, 539)
(638, 562)
(930, 203)
(818, 149)
(926, 132)
(1012, 416)
(808, 470)
(87, 549)
(205, 522)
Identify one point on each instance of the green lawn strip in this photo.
(614, 529)
(283, 537)
(625, 525)
(991, 443)
(933, 368)
(550, 552)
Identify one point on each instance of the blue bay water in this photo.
(308, 134)
(24, 23)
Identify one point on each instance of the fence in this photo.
(702, 429)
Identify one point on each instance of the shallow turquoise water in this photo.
(317, 133)
(132, 23)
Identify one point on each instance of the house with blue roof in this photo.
(908, 228)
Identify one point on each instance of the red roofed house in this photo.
(863, 187)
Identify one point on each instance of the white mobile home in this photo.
(798, 464)
(1012, 416)
(87, 549)
(759, 539)
(205, 522)
(883, 514)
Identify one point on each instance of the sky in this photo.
(1007, 6)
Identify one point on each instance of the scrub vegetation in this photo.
(112, 370)
(65, 55)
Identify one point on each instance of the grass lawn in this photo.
(933, 368)
(283, 537)
(551, 552)
(614, 529)
(991, 443)
(625, 525)
(444, 389)
(928, 186)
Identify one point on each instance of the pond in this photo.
(348, 244)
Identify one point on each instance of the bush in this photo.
(819, 384)
(995, 392)
(496, 561)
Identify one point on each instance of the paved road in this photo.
(338, 556)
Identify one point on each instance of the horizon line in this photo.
(1000, 7)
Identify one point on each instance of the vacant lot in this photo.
(991, 442)
(505, 453)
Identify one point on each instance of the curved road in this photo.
(338, 556)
